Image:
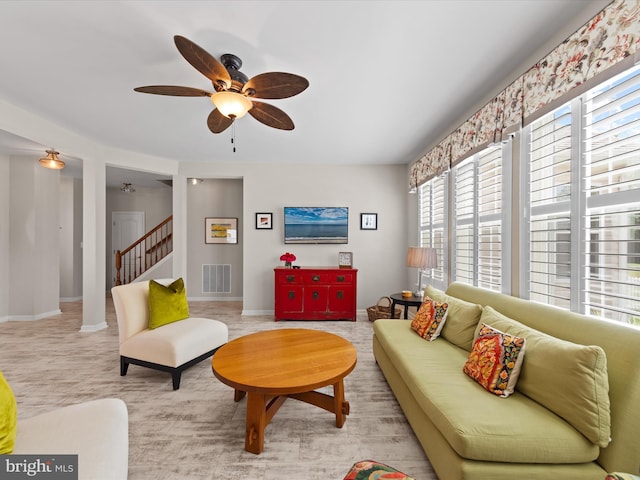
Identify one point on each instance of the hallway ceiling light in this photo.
(194, 181)
(127, 188)
(52, 161)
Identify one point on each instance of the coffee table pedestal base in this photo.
(261, 409)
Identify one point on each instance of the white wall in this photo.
(34, 260)
(213, 198)
(5, 252)
(70, 239)
(379, 255)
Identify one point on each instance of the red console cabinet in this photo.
(315, 293)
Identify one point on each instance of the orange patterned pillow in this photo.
(495, 360)
(430, 319)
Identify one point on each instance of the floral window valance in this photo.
(605, 46)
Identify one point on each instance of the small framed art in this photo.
(368, 221)
(264, 221)
(220, 230)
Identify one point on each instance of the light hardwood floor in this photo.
(197, 432)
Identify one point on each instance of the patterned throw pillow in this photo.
(495, 360)
(430, 319)
(370, 469)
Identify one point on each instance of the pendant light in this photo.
(52, 161)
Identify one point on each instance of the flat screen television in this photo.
(316, 224)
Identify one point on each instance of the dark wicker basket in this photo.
(380, 310)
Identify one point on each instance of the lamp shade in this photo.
(231, 104)
(52, 161)
(422, 257)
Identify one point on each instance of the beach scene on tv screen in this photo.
(316, 224)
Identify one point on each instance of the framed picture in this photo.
(368, 221)
(264, 221)
(220, 230)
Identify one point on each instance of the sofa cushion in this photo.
(567, 378)
(430, 319)
(495, 360)
(8, 417)
(478, 426)
(167, 304)
(462, 318)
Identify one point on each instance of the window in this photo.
(611, 169)
(583, 203)
(433, 224)
(478, 221)
(549, 178)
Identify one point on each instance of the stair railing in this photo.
(145, 252)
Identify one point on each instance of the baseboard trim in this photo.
(70, 299)
(32, 318)
(93, 328)
(214, 299)
(253, 313)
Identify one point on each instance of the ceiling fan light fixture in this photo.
(52, 161)
(231, 104)
(127, 188)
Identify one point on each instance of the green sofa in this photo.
(575, 412)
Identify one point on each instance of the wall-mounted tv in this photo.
(316, 224)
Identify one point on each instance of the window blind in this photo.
(611, 251)
(489, 208)
(550, 236)
(433, 223)
(464, 214)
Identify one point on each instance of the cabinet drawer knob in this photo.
(291, 278)
(292, 295)
(315, 278)
(340, 278)
(315, 295)
(340, 294)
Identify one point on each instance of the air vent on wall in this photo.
(216, 278)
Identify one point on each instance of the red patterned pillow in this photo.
(370, 469)
(495, 360)
(430, 319)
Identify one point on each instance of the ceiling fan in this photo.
(234, 91)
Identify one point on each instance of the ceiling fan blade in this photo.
(173, 91)
(217, 122)
(202, 61)
(275, 85)
(271, 116)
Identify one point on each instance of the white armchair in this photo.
(171, 348)
(97, 431)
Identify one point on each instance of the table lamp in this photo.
(421, 258)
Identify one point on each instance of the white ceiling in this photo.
(387, 78)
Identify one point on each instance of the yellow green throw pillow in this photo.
(8, 417)
(167, 304)
(462, 319)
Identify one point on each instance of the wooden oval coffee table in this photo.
(274, 365)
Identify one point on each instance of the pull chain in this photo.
(233, 136)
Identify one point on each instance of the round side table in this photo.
(412, 301)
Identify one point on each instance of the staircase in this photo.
(145, 252)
